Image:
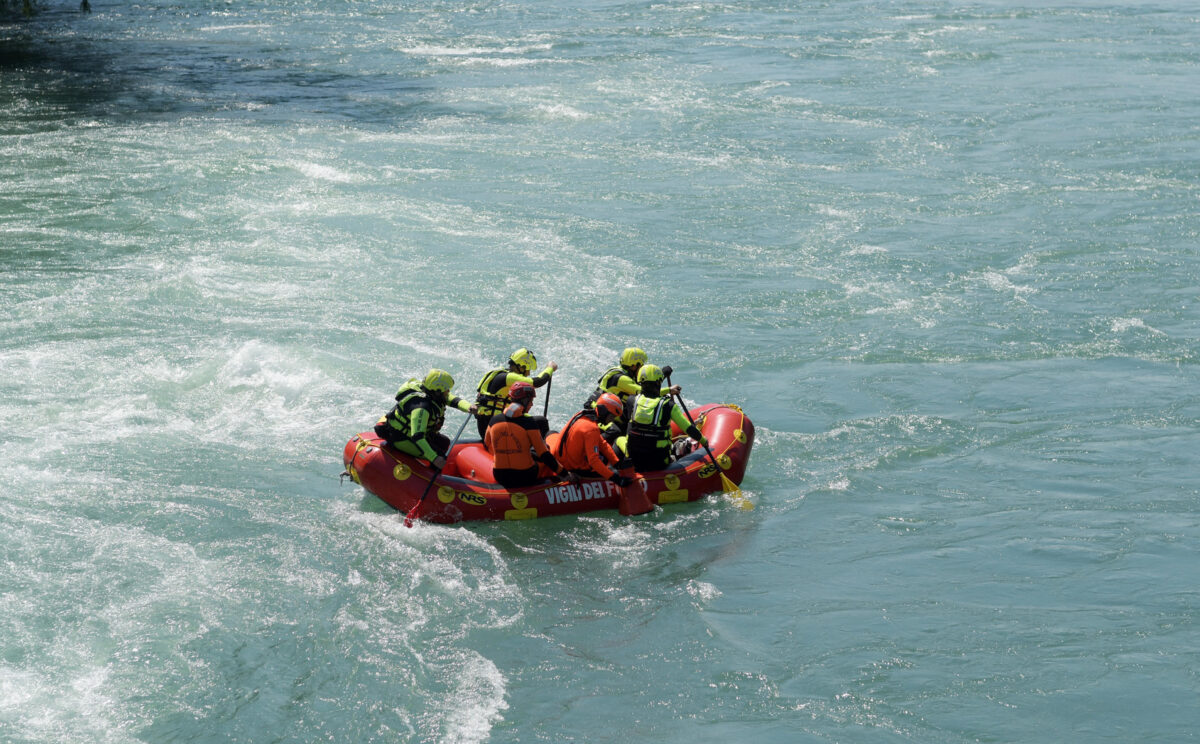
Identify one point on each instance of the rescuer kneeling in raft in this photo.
(581, 450)
(413, 424)
(514, 439)
(649, 415)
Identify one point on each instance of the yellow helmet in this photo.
(650, 373)
(524, 359)
(438, 381)
(633, 357)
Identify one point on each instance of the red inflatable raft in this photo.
(466, 490)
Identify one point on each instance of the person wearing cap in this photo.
(649, 415)
(515, 441)
(492, 391)
(413, 425)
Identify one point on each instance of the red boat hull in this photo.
(465, 490)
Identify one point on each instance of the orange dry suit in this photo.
(514, 440)
(581, 449)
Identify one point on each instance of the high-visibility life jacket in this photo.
(493, 393)
(609, 383)
(409, 398)
(650, 424)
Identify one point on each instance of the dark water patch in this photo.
(148, 63)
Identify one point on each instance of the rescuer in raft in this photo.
(621, 381)
(413, 424)
(649, 415)
(580, 448)
(493, 389)
(514, 439)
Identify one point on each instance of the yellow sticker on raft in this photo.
(672, 497)
(521, 514)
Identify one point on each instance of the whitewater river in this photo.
(945, 256)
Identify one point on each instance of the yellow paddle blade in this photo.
(735, 493)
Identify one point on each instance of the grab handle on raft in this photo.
(727, 485)
(412, 513)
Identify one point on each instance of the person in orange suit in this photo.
(581, 449)
(515, 440)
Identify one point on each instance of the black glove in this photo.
(621, 480)
(611, 434)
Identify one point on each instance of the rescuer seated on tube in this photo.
(413, 425)
(515, 440)
(649, 415)
(580, 448)
(493, 388)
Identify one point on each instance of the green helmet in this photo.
(524, 359)
(438, 381)
(650, 373)
(633, 357)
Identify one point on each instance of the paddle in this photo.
(408, 518)
(727, 485)
(546, 403)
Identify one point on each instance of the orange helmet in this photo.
(521, 392)
(608, 408)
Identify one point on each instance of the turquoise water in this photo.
(945, 256)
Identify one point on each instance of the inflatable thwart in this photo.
(465, 490)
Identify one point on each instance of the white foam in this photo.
(1121, 325)
(562, 111)
(1001, 283)
(480, 700)
(18, 688)
(702, 590)
(319, 172)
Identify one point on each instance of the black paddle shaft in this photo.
(408, 518)
(667, 371)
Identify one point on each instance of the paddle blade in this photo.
(735, 493)
(412, 513)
